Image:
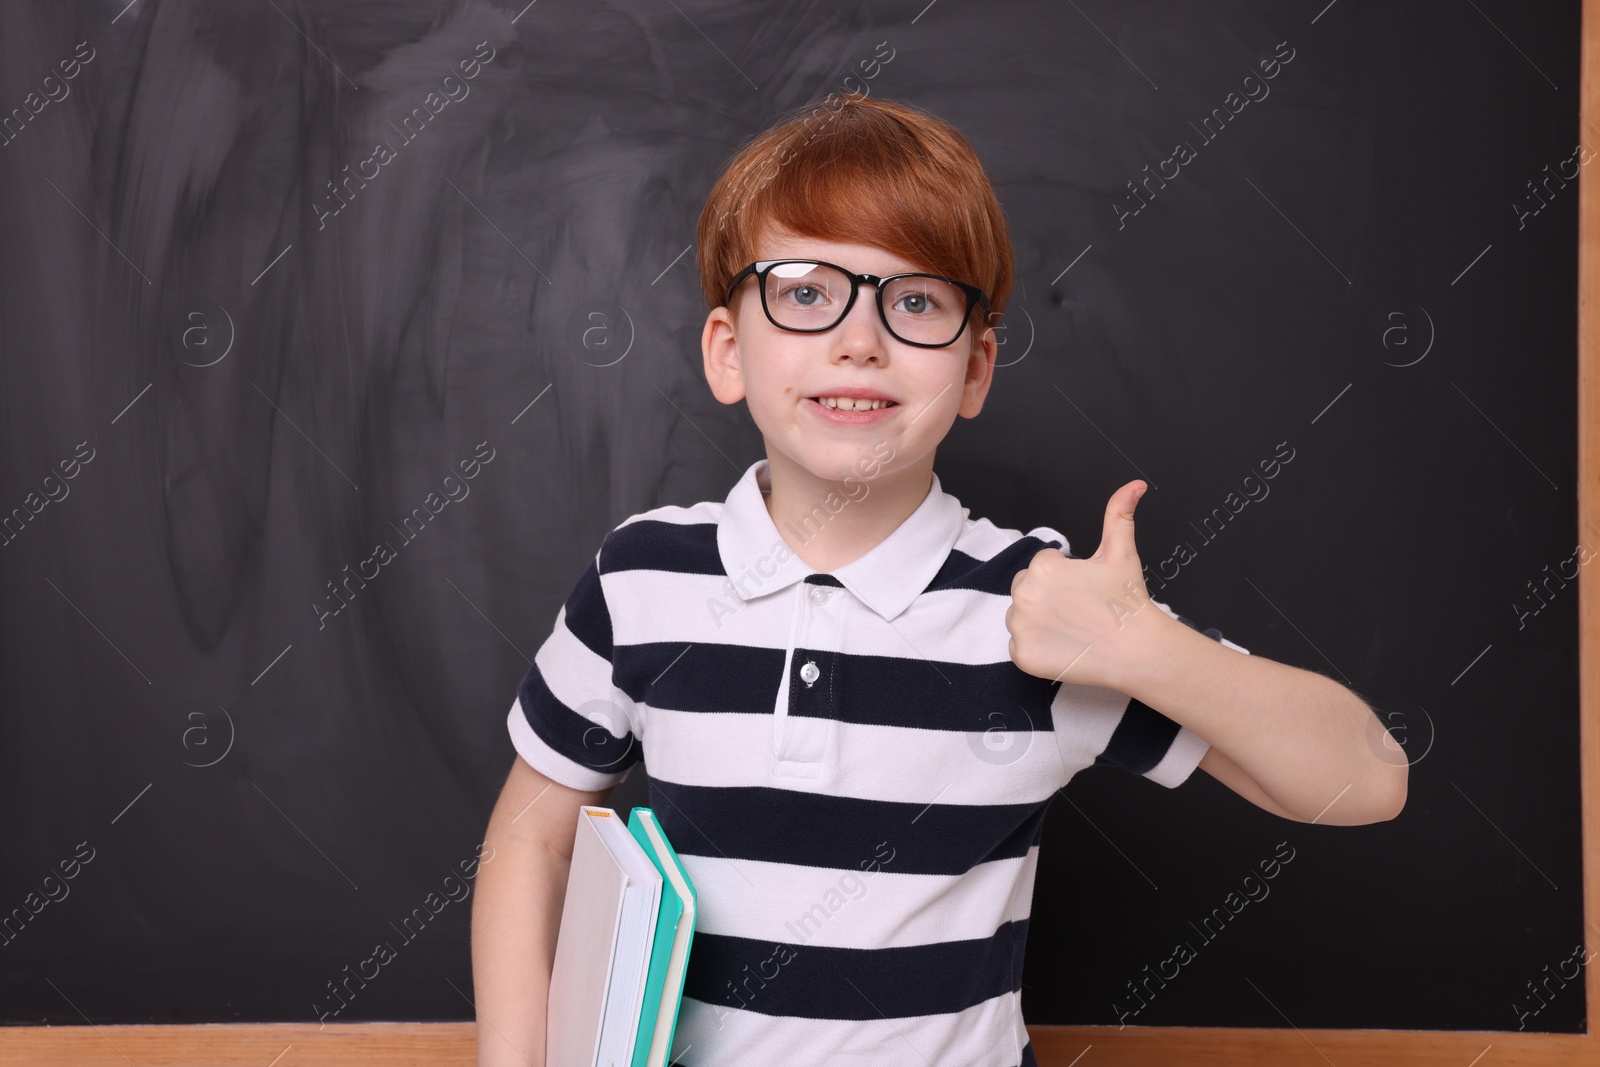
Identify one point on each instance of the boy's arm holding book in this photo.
(517, 912)
(1289, 740)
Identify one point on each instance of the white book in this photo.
(608, 924)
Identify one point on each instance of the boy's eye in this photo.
(916, 303)
(804, 295)
(922, 297)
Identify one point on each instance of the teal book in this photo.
(669, 955)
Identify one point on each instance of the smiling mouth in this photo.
(845, 403)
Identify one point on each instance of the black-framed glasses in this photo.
(810, 296)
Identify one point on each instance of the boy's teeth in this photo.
(845, 403)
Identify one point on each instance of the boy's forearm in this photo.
(1308, 741)
(515, 917)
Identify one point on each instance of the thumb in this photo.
(1116, 538)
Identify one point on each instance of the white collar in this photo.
(887, 578)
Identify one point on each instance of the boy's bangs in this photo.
(869, 199)
(860, 171)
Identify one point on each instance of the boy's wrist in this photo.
(1160, 657)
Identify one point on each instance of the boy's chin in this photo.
(847, 463)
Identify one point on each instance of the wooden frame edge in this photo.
(455, 1045)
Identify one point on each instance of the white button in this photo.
(809, 672)
(819, 593)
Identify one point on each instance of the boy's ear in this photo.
(719, 347)
(980, 371)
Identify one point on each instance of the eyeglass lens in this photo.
(920, 308)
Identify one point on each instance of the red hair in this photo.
(863, 171)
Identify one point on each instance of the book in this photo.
(603, 946)
(669, 956)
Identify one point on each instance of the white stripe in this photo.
(1085, 717)
(1182, 757)
(706, 512)
(873, 908)
(862, 761)
(581, 680)
(990, 1034)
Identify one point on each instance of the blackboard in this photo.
(230, 769)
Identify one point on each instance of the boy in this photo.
(857, 701)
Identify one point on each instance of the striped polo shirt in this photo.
(852, 769)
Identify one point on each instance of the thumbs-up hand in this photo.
(1084, 620)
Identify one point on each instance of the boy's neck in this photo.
(829, 523)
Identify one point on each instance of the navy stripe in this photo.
(587, 615)
(868, 690)
(1028, 1058)
(573, 735)
(961, 571)
(994, 575)
(1144, 734)
(842, 833)
(1140, 740)
(654, 545)
(680, 676)
(821, 982)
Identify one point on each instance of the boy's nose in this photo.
(863, 330)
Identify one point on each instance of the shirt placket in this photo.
(803, 718)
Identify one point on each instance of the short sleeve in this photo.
(1103, 726)
(570, 721)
